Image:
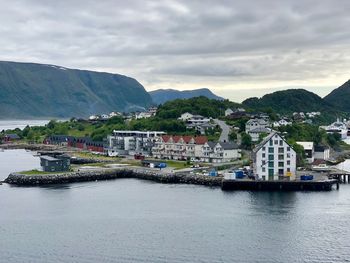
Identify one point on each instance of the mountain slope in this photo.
(287, 101)
(29, 90)
(161, 96)
(340, 97)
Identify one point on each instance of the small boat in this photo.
(321, 168)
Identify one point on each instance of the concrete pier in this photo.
(297, 185)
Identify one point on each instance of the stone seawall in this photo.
(108, 174)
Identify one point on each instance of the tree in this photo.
(333, 139)
(246, 141)
(232, 136)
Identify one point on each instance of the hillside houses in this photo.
(197, 122)
(194, 148)
(282, 122)
(83, 143)
(132, 142)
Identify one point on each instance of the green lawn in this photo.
(37, 172)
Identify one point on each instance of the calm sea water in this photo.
(21, 124)
(138, 221)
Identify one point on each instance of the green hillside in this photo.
(29, 90)
(288, 101)
(197, 105)
(340, 97)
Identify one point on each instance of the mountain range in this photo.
(29, 90)
(161, 96)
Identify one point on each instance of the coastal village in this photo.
(259, 152)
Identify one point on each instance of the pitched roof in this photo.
(264, 141)
(229, 145)
(260, 130)
(12, 136)
(166, 138)
(201, 139)
(48, 158)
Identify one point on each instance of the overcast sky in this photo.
(236, 48)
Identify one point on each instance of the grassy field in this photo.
(37, 172)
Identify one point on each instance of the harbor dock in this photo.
(296, 185)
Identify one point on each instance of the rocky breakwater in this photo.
(108, 174)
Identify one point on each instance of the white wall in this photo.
(259, 168)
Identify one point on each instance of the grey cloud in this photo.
(158, 41)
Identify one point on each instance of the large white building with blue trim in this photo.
(274, 159)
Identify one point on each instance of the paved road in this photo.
(225, 130)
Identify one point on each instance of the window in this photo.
(288, 149)
(288, 162)
(263, 155)
(264, 148)
(271, 142)
(281, 143)
(276, 142)
(263, 170)
(288, 170)
(281, 150)
(288, 155)
(280, 164)
(271, 164)
(281, 157)
(271, 157)
(271, 150)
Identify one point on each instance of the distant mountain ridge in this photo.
(161, 96)
(29, 90)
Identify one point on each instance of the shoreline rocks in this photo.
(109, 174)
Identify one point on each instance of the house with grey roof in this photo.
(59, 163)
(274, 159)
(257, 132)
(255, 123)
(220, 152)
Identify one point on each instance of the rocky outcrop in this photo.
(108, 174)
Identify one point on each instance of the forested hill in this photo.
(287, 101)
(161, 96)
(340, 97)
(197, 105)
(29, 90)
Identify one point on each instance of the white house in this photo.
(274, 159)
(322, 153)
(255, 123)
(114, 114)
(228, 112)
(105, 116)
(93, 117)
(338, 127)
(194, 148)
(281, 122)
(185, 116)
(132, 142)
(178, 147)
(219, 152)
(257, 132)
(309, 151)
(143, 115)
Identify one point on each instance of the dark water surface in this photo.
(138, 221)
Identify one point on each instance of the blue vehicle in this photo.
(306, 177)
